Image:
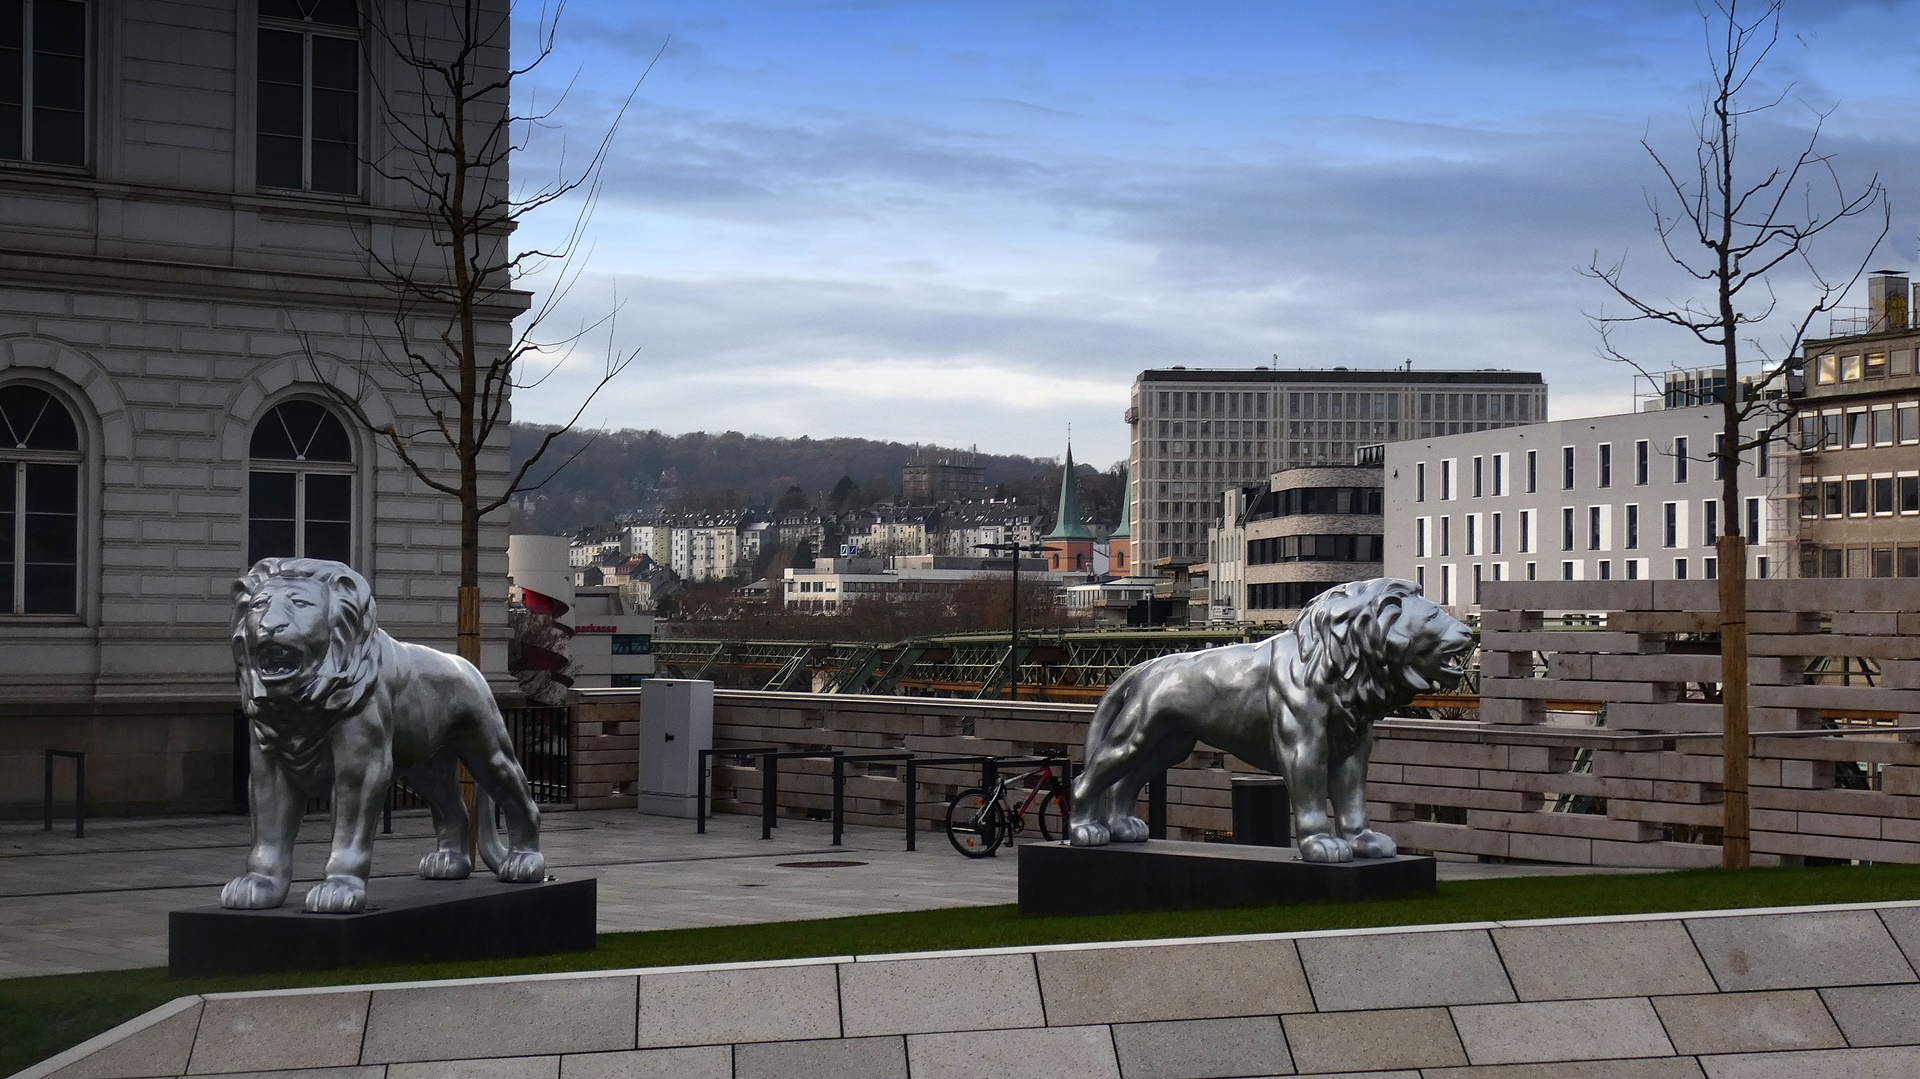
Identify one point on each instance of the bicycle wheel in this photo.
(975, 826)
(1052, 811)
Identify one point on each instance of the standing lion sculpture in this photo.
(329, 694)
(1301, 704)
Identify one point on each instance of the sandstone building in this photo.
(188, 197)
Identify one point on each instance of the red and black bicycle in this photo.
(978, 822)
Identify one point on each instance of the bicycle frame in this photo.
(1044, 782)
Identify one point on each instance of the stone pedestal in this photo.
(409, 920)
(1168, 875)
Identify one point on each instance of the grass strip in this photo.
(41, 1016)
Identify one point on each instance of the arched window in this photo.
(300, 486)
(39, 503)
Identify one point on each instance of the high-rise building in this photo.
(1198, 432)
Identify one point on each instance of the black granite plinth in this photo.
(408, 920)
(1168, 875)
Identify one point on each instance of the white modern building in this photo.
(1625, 497)
(830, 583)
(185, 192)
(611, 648)
(1279, 545)
(1196, 433)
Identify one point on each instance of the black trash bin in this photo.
(1262, 816)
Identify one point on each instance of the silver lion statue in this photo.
(329, 695)
(1301, 704)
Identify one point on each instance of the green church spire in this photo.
(1124, 529)
(1067, 525)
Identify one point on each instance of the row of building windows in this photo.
(1319, 501)
(1861, 428)
(1284, 595)
(307, 92)
(1218, 404)
(1489, 476)
(1435, 534)
(300, 505)
(1274, 549)
(1860, 496)
(1834, 368)
(1887, 561)
(1446, 592)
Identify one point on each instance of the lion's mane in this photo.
(347, 673)
(1343, 640)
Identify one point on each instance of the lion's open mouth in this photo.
(276, 661)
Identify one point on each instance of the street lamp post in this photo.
(1015, 548)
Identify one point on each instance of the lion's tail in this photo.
(486, 836)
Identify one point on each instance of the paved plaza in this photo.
(101, 902)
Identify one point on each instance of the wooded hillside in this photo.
(608, 473)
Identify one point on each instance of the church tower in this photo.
(1069, 545)
(1120, 544)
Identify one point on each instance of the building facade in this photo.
(923, 484)
(1195, 433)
(1310, 529)
(1626, 497)
(1857, 432)
(184, 307)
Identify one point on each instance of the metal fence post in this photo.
(769, 792)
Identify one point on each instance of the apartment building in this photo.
(1857, 432)
(1195, 433)
(1625, 497)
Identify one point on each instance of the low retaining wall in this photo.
(1727, 995)
(1456, 789)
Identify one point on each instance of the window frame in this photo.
(89, 105)
(354, 468)
(84, 460)
(364, 129)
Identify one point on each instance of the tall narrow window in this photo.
(1680, 459)
(300, 488)
(1566, 528)
(1710, 520)
(1494, 537)
(1533, 471)
(308, 136)
(1420, 481)
(1605, 478)
(43, 81)
(1480, 475)
(39, 503)
(1633, 527)
(1566, 468)
(1499, 474)
(1753, 521)
(1641, 451)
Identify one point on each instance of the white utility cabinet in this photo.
(676, 723)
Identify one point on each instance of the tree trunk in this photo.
(1735, 744)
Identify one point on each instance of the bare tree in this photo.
(452, 274)
(1729, 227)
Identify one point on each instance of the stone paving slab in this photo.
(1202, 1048)
(1399, 1038)
(1799, 951)
(1561, 1030)
(509, 1016)
(1748, 1022)
(1187, 981)
(321, 1030)
(918, 996)
(1404, 970)
(1891, 1063)
(691, 1062)
(705, 1007)
(1601, 959)
(837, 1058)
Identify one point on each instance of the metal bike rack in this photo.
(79, 790)
(706, 773)
(840, 785)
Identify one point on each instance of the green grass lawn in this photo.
(41, 1016)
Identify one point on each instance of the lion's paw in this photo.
(1090, 834)
(1371, 844)
(1129, 830)
(523, 867)
(338, 895)
(255, 891)
(1325, 848)
(446, 865)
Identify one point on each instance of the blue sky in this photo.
(974, 223)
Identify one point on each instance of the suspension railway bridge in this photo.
(1060, 666)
